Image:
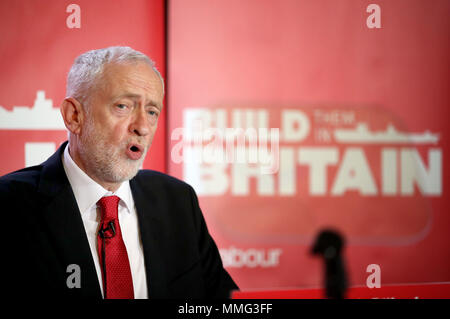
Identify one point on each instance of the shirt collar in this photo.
(87, 191)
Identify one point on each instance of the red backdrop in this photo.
(38, 48)
(316, 71)
(362, 116)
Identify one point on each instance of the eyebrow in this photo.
(137, 96)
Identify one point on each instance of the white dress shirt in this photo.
(87, 193)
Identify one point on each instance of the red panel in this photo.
(37, 50)
(231, 58)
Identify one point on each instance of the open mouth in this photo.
(134, 148)
(134, 151)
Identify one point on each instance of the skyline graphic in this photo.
(41, 116)
(391, 135)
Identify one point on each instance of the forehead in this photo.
(137, 78)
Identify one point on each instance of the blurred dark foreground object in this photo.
(329, 245)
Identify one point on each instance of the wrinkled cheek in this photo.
(151, 136)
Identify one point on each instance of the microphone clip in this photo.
(109, 231)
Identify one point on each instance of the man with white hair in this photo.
(91, 223)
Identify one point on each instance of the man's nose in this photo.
(140, 124)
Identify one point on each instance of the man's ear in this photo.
(73, 114)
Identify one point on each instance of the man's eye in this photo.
(121, 106)
(153, 113)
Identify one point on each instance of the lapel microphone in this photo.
(109, 231)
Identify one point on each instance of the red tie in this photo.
(116, 273)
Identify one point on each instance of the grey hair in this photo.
(88, 67)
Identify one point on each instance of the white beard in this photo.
(108, 163)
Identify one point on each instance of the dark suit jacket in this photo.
(44, 234)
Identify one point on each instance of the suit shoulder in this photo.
(29, 175)
(20, 184)
(160, 179)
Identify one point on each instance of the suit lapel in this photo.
(65, 225)
(151, 228)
